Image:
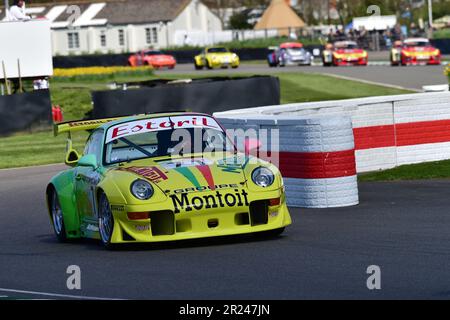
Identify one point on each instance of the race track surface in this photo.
(402, 227)
(411, 77)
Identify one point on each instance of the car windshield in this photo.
(417, 44)
(295, 50)
(348, 46)
(217, 50)
(166, 136)
(150, 53)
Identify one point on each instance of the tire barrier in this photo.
(201, 95)
(315, 156)
(25, 111)
(389, 131)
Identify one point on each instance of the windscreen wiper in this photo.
(139, 148)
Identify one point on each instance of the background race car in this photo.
(344, 53)
(415, 51)
(156, 59)
(289, 53)
(216, 57)
(137, 183)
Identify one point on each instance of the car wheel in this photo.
(57, 217)
(105, 221)
(197, 67)
(208, 64)
(235, 67)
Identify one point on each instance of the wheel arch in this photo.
(64, 188)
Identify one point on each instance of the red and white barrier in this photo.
(316, 158)
(389, 131)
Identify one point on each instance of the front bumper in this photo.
(413, 60)
(351, 61)
(224, 63)
(163, 64)
(170, 226)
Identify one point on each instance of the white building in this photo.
(115, 26)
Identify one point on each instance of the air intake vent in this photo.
(259, 212)
(162, 223)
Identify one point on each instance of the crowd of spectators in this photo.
(375, 39)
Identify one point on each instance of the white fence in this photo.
(200, 38)
(389, 131)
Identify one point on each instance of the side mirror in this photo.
(89, 160)
(72, 158)
(251, 145)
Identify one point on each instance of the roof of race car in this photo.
(86, 125)
(288, 45)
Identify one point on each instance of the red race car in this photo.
(344, 53)
(415, 51)
(153, 58)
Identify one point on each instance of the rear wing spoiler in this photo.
(84, 125)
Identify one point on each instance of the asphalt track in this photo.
(403, 227)
(411, 77)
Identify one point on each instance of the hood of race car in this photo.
(200, 172)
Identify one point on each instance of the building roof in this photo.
(279, 15)
(142, 11)
(115, 12)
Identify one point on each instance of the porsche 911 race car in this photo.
(162, 177)
(289, 53)
(344, 53)
(216, 57)
(415, 51)
(156, 59)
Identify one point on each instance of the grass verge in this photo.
(429, 170)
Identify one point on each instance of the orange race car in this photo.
(414, 51)
(344, 53)
(154, 58)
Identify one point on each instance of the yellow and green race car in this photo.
(216, 57)
(162, 177)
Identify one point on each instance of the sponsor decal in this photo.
(273, 214)
(87, 123)
(143, 228)
(210, 201)
(151, 173)
(92, 228)
(206, 172)
(234, 164)
(160, 124)
(181, 163)
(117, 208)
(208, 188)
(185, 172)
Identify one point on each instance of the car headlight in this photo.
(263, 177)
(142, 189)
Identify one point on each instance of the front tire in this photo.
(197, 67)
(57, 217)
(105, 221)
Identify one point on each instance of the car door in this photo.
(86, 181)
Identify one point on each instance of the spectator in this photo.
(17, 11)
(413, 30)
(187, 41)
